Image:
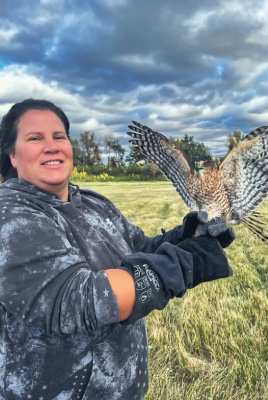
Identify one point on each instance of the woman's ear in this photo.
(13, 160)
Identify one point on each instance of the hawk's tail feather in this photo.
(256, 221)
(257, 228)
(258, 214)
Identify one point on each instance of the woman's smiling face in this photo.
(43, 152)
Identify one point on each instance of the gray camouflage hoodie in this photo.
(60, 336)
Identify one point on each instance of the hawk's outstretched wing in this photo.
(245, 173)
(166, 156)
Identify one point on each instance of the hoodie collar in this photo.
(40, 194)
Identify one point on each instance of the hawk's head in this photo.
(203, 164)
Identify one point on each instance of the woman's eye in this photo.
(61, 137)
(34, 138)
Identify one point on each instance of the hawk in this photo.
(233, 191)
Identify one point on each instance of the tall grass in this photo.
(212, 344)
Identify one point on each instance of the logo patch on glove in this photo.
(144, 278)
(146, 296)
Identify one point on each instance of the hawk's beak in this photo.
(196, 166)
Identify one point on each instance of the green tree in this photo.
(77, 152)
(90, 149)
(190, 147)
(108, 141)
(115, 152)
(233, 139)
(118, 153)
(135, 156)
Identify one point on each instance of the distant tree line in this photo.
(88, 162)
(86, 150)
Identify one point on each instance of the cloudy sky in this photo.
(181, 67)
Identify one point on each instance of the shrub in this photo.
(101, 173)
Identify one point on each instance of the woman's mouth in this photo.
(52, 162)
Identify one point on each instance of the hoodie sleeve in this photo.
(172, 237)
(146, 244)
(46, 282)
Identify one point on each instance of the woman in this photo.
(76, 277)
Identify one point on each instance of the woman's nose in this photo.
(50, 146)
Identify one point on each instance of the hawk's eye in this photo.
(205, 163)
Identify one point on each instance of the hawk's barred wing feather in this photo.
(166, 156)
(245, 173)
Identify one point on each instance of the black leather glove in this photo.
(189, 225)
(216, 227)
(169, 272)
(209, 260)
(158, 277)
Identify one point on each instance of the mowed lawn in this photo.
(213, 343)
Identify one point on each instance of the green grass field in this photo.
(213, 343)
